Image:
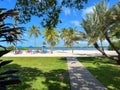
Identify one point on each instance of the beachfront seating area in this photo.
(26, 51)
(18, 52)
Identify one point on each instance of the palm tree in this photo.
(63, 35)
(8, 33)
(102, 24)
(71, 37)
(94, 26)
(34, 30)
(15, 25)
(51, 36)
(109, 22)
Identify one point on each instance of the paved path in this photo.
(81, 78)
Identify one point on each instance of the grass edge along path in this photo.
(40, 73)
(106, 71)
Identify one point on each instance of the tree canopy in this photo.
(51, 36)
(10, 34)
(48, 10)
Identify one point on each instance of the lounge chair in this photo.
(18, 52)
(29, 51)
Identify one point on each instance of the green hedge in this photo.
(10, 47)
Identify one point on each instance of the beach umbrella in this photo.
(30, 47)
(43, 46)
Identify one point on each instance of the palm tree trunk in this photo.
(64, 46)
(109, 41)
(51, 49)
(102, 45)
(103, 53)
(112, 45)
(35, 43)
(72, 48)
(15, 48)
(117, 58)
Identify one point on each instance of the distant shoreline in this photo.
(67, 48)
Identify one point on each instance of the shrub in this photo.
(10, 48)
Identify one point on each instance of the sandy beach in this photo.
(61, 53)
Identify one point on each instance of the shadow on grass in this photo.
(108, 75)
(53, 79)
(96, 60)
(62, 59)
(107, 72)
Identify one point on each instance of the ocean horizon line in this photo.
(65, 48)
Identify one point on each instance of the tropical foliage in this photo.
(47, 10)
(71, 36)
(63, 35)
(10, 34)
(34, 30)
(10, 47)
(51, 36)
(103, 24)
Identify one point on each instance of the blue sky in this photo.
(70, 18)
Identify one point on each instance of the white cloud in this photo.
(87, 10)
(75, 22)
(66, 11)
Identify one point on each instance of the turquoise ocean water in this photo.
(65, 48)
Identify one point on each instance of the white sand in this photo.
(61, 53)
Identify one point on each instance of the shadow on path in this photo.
(81, 78)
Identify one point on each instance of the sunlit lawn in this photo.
(106, 71)
(39, 73)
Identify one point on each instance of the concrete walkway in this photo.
(80, 77)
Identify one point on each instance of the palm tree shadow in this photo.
(110, 75)
(105, 70)
(54, 79)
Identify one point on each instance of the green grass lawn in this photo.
(106, 71)
(40, 73)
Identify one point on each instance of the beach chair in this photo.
(29, 51)
(18, 52)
